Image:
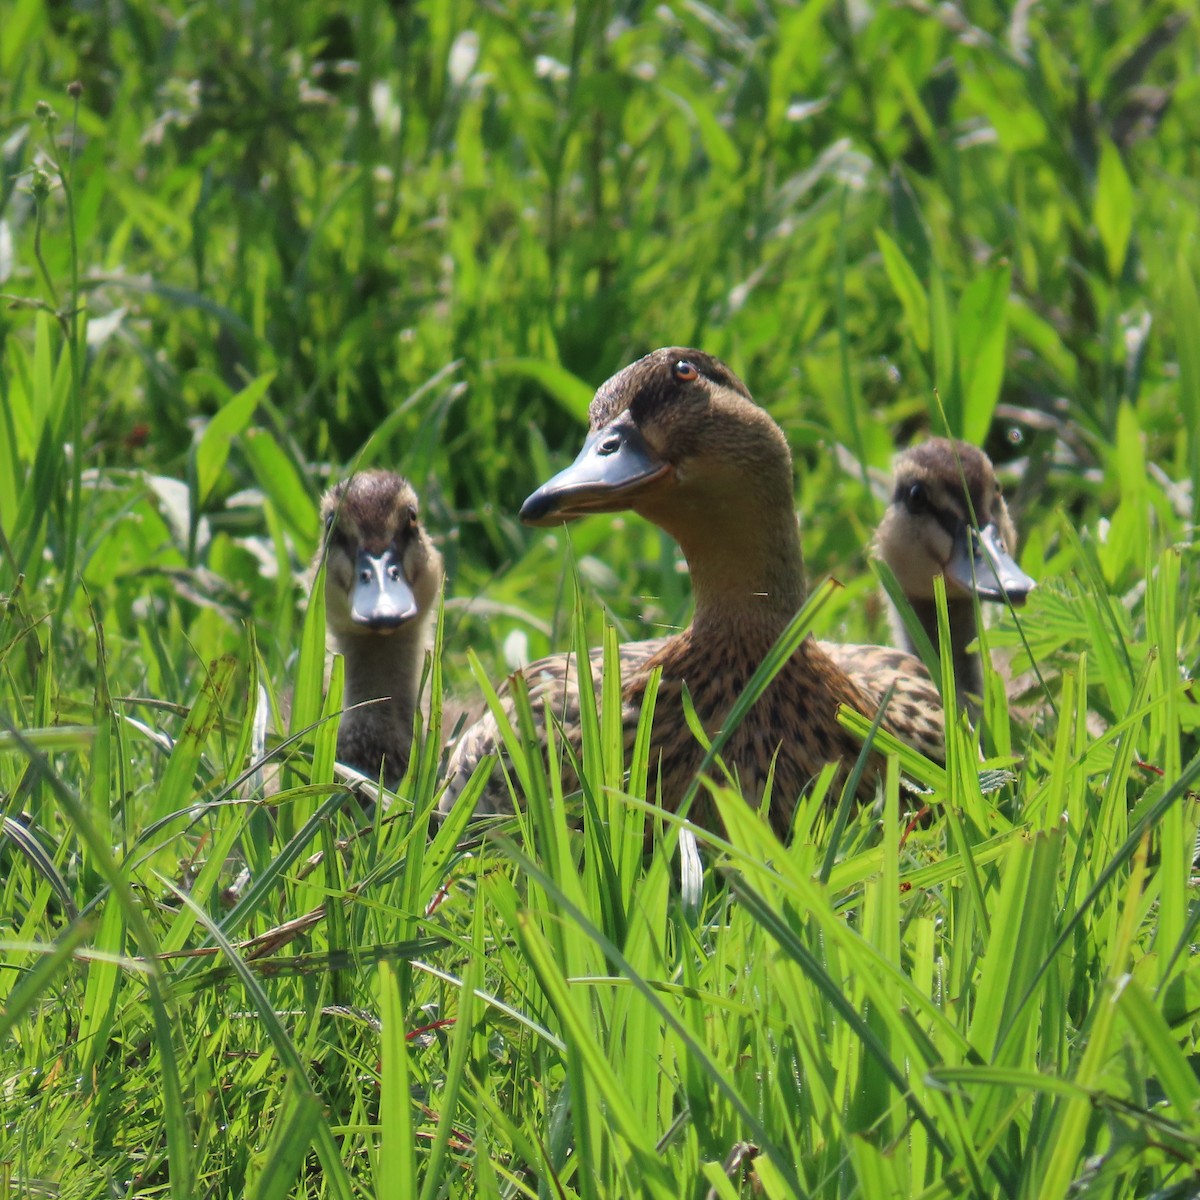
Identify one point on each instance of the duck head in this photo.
(677, 438)
(382, 571)
(948, 517)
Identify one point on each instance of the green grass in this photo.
(270, 241)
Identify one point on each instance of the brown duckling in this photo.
(948, 517)
(677, 438)
(382, 577)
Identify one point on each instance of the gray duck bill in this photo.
(614, 462)
(382, 599)
(981, 564)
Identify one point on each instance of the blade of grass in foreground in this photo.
(42, 976)
(175, 1112)
(1068, 1130)
(1141, 830)
(696, 1050)
(460, 1048)
(285, 1048)
(593, 1079)
(397, 1171)
(294, 1130)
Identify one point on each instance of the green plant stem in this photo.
(70, 323)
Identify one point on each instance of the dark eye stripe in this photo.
(916, 499)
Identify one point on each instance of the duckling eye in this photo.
(412, 517)
(917, 499)
(684, 372)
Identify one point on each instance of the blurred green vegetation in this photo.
(269, 241)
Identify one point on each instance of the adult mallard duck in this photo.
(678, 438)
(382, 577)
(948, 517)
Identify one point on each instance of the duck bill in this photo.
(981, 564)
(381, 600)
(613, 466)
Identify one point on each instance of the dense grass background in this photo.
(271, 240)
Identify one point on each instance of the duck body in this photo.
(677, 438)
(382, 578)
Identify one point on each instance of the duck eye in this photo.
(609, 444)
(412, 517)
(916, 500)
(329, 523)
(684, 372)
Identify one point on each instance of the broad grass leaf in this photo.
(178, 790)
(293, 1131)
(796, 56)
(56, 738)
(56, 960)
(1173, 1072)
(1021, 931)
(22, 29)
(17, 397)
(945, 405)
(720, 149)
(397, 1173)
(571, 393)
(912, 232)
(102, 991)
(908, 289)
(310, 668)
(281, 480)
(230, 422)
(1186, 308)
(982, 337)
(1112, 208)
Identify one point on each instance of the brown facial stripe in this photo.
(648, 386)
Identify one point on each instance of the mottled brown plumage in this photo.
(382, 577)
(677, 438)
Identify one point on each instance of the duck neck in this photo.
(383, 676)
(747, 573)
(968, 671)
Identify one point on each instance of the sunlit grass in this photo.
(272, 243)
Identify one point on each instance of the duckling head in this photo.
(948, 517)
(676, 437)
(382, 571)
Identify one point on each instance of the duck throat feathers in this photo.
(747, 572)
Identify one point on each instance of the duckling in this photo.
(382, 577)
(677, 438)
(948, 517)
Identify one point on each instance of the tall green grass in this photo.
(267, 243)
